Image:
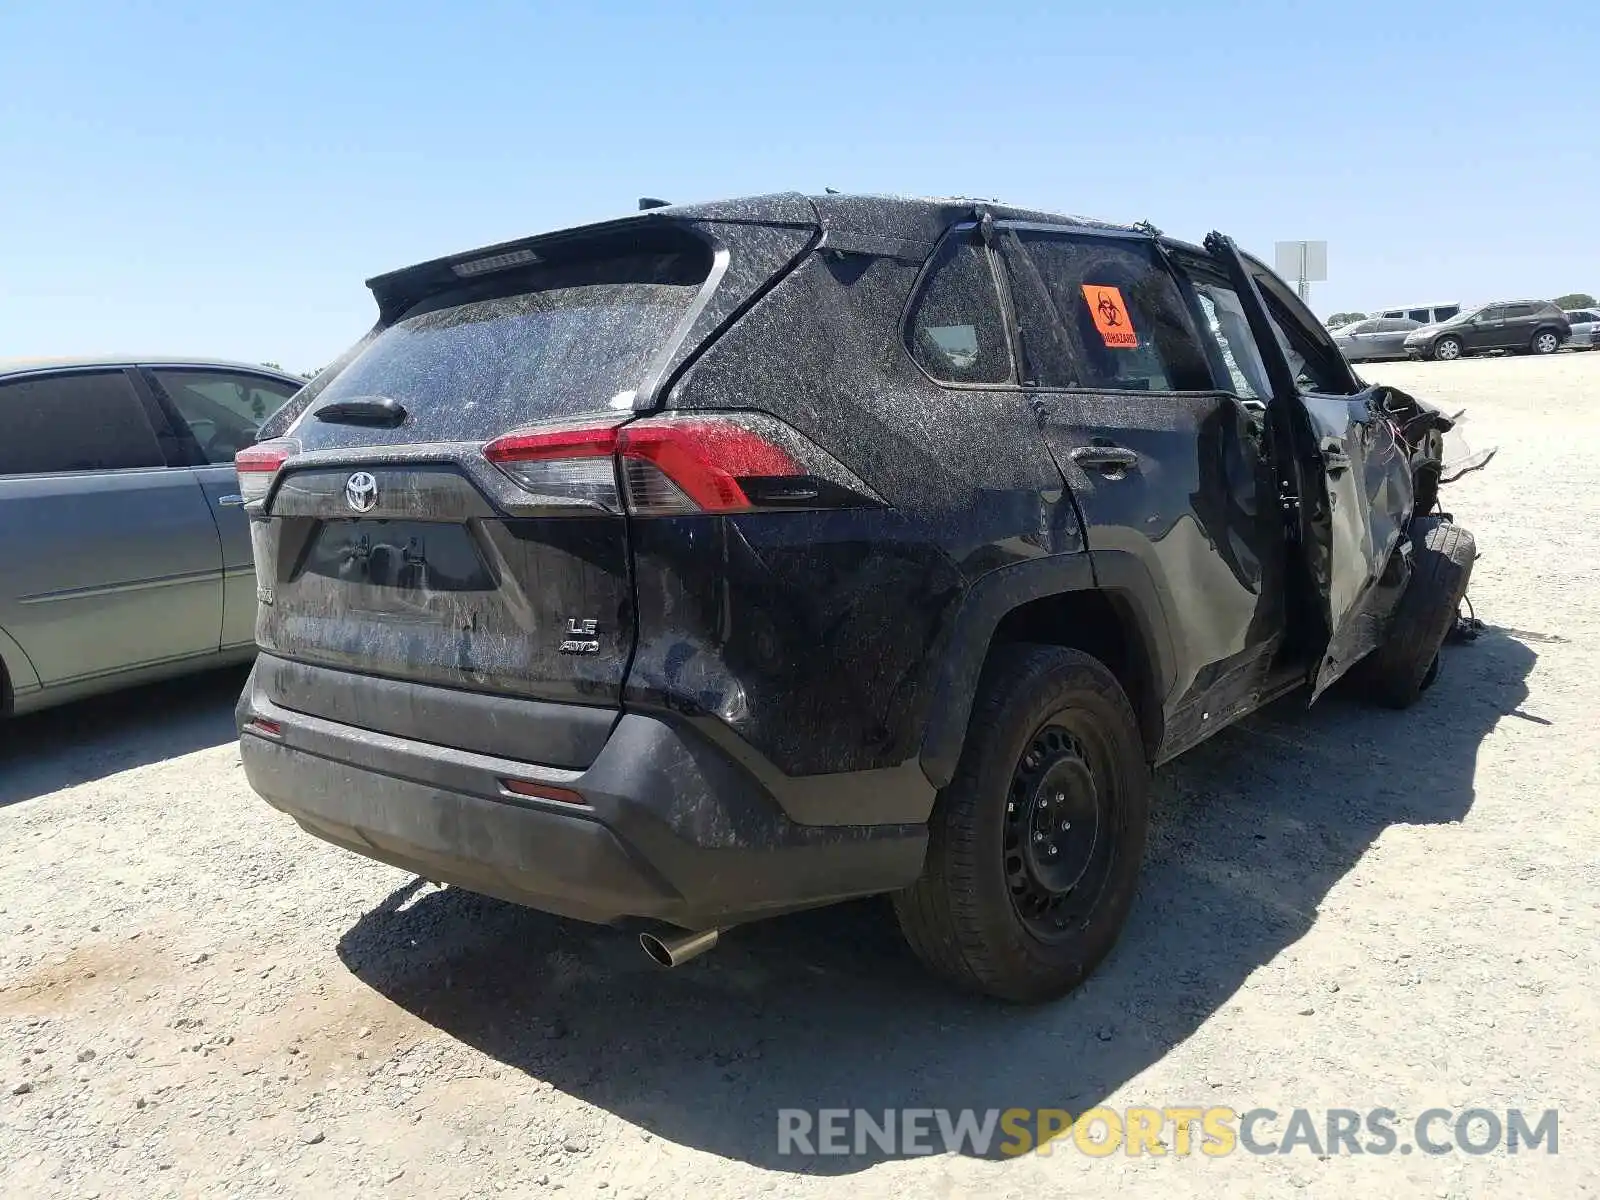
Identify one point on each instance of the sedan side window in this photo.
(224, 410)
(81, 422)
(956, 332)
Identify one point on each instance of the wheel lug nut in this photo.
(1061, 797)
(1066, 825)
(1051, 851)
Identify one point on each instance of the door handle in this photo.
(231, 500)
(1105, 458)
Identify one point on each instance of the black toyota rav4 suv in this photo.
(727, 560)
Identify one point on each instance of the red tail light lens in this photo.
(672, 465)
(704, 458)
(257, 466)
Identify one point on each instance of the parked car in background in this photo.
(1374, 340)
(1423, 314)
(126, 551)
(1518, 327)
(1585, 324)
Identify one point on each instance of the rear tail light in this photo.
(258, 466)
(674, 465)
(569, 463)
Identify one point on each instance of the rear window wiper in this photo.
(384, 411)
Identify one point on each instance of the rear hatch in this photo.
(393, 540)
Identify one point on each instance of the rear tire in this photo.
(1407, 663)
(1447, 349)
(1545, 342)
(1034, 848)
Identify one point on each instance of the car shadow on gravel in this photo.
(828, 1010)
(87, 740)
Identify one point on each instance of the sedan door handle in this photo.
(1105, 458)
(231, 500)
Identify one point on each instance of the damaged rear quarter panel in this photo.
(818, 638)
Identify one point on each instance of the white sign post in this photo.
(1304, 262)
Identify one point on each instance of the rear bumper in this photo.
(672, 828)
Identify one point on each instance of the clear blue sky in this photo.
(220, 177)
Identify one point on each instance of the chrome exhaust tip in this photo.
(675, 949)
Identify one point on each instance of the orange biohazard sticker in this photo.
(1111, 316)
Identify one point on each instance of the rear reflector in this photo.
(264, 727)
(257, 466)
(542, 791)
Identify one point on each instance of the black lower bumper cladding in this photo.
(667, 826)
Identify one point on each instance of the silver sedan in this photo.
(1379, 338)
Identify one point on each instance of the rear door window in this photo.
(223, 409)
(955, 330)
(92, 421)
(524, 346)
(1419, 314)
(1100, 313)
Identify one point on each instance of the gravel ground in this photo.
(1340, 908)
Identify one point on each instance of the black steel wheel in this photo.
(1059, 843)
(1034, 848)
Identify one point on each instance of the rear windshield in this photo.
(500, 353)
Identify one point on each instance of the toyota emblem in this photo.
(361, 491)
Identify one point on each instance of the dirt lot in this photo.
(1341, 908)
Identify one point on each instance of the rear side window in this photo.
(1448, 311)
(1100, 313)
(1418, 314)
(568, 339)
(224, 410)
(955, 331)
(88, 422)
